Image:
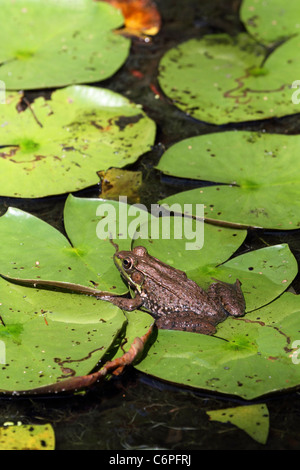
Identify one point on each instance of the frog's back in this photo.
(161, 300)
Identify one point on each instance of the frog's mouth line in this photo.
(120, 266)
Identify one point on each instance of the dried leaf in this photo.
(116, 181)
(141, 16)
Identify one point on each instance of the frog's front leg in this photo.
(185, 321)
(124, 303)
(229, 295)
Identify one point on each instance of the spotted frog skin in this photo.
(175, 301)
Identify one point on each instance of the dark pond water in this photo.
(134, 411)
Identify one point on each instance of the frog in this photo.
(175, 301)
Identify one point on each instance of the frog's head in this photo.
(129, 264)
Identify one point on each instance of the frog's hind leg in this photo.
(229, 295)
(185, 321)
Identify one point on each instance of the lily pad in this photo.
(188, 247)
(270, 21)
(257, 171)
(58, 145)
(36, 250)
(59, 43)
(249, 357)
(48, 337)
(116, 181)
(27, 437)
(221, 79)
(253, 419)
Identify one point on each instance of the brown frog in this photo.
(175, 301)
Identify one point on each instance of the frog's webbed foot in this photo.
(230, 296)
(185, 321)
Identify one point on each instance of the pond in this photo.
(135, 411)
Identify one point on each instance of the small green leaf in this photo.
(253, 419)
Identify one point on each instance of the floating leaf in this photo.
(49, 337)
(258, 172)
(39, 251)
(221, 79)
(264, 273)
(253, 419)
(59, 43)
(58, 145)
(116, 181)
(27, 437)
(189, 245)
(141, 16)
(249, 356)
(270, 21)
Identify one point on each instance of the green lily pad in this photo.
(249, 357)
(59, 43)
(270, 21)
(264, 273)
(253, 419)
(47, 337)
(258, 172)
(221, 79)
(193, 245)
(58, 145)
(36, 250)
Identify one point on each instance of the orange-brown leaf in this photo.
(141, 16)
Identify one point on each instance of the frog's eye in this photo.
(127, 263)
